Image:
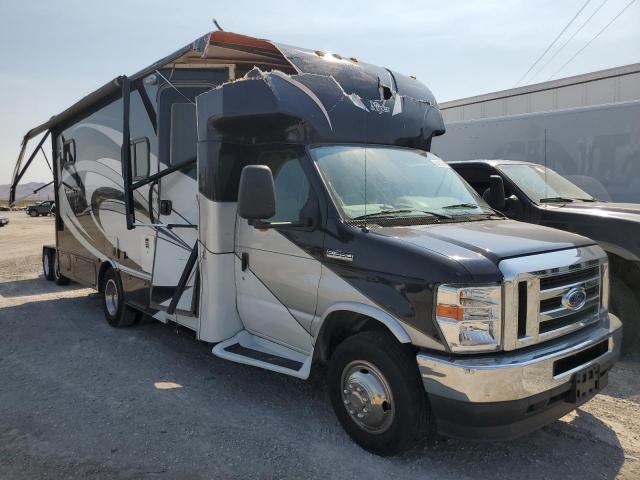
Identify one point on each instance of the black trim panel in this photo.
(238, 349)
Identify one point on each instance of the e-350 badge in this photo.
(339, 255)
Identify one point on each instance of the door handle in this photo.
(244, 261)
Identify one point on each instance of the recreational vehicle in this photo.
(283, 204)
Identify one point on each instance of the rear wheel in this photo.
(33, 213)
(117, 313)
(57, 276)
(625, 305)
(377, 394)
(48, 264)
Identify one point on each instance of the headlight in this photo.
(470, 317)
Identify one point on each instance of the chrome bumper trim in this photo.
(515, 375)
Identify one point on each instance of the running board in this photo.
(259, 352)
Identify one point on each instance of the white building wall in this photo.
(613, 85)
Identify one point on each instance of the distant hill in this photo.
(25, 192)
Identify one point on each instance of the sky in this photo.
(54, 53)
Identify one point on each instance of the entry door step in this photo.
(259, 352)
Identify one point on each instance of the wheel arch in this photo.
(104, 267)
(344, 319)
(626, 270)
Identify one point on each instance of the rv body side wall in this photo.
(89, 189)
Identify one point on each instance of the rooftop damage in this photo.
(293, 94)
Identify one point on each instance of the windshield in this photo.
(542, 184)
(369, 181)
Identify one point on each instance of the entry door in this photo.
(276, 277)
(177, 196)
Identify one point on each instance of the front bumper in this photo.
(505, 395)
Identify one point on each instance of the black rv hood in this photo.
(493, 239)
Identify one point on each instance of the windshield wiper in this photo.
(556, 199)
(462, 205)
(383, 213)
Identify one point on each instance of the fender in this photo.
(394, 326)
(619, 251)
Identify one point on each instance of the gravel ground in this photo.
(79, 399)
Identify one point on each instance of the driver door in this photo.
(276, 277)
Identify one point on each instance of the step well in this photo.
(259, 352)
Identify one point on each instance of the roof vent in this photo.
(320, 53)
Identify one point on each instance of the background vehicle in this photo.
(532, 193)
(43, 208)
(3, 221)
(283, 204)
(586, 128)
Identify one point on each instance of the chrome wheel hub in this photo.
(367, 396)
(111, 297)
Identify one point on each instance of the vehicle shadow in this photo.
(563, 449)
(33, 286)
(236, 411)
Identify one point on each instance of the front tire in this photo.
(377, 394)
(33, 213)
(117, 313)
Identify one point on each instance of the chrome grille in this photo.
(539, 304)
(554, 316)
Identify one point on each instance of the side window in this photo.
(69, 152)
(184, 133)
(140, 157)
(177, 125)
(292, 186)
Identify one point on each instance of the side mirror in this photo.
(257, 195)
(496, 192)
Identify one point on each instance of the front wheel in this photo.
(377, 394)
(33, 213)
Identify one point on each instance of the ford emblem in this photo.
(575, 298)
